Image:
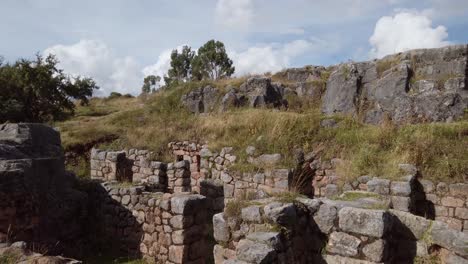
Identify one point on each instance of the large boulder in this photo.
(260, 91)
(201, 100)
(414, 86)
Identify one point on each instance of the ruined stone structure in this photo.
(314, 231)
(440, 201)
(38, 201)
(170, 228)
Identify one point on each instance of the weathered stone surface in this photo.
(272, 239)
(268, 159)
(417, 225)
(341, 91)
(253, 252)
(201, 100)
(400, 188)
(220, 228)
(333, 259)
(380, 186)
(187, 204)
(252, 214)
(373, 223)
(325, 217)
(283, 214)
(450, 239)
(401, 203)
(386, 87)
(343, 244)
(260, 91)
(375, 251)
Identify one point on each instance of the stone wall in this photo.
(301, 230)
(411, 193)
(193, 164)
(38, 200)
(169, 228)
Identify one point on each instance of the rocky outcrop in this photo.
(414, 86)
(427, 85)
(38, 201)
(201, 100)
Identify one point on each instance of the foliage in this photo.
(180, 70)
(37, 91)
(212, 62)
(150, 83)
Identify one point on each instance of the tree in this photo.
(212, 62)
(180, 70)
(37, 91)
(149, 83)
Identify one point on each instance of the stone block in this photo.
(187, 204)
(380, 186)
(400, 188)
(459, 190)
(220, 228)
(452, 202)
(252, 252)
(375, 251)
(373, 223)
(325, 218)
(272, 239)
(450, 239)
(283, 214)
(461, 213)
(251, 214)
(343, 244)
(178, 254)
(401, 203)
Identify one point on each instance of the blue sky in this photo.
(117, 42)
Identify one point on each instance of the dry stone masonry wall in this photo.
(305, 230)
(440, 201)
(170, 228)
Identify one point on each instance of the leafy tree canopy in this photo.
(149, 83)
(180, 70)
(37, 91)
(212, 62)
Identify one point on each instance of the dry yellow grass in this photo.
(439, 149)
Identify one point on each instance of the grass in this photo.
(353, 196)
(438, 149)
(287, 197)
(11, 257)
(386, 64)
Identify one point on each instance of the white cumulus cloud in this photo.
(234, 14)
(93, 58)
(274, 57)
(404, 31)
(162, 65)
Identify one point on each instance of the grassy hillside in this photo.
(439, 149)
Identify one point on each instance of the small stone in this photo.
(250, 150)
(343, 244)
